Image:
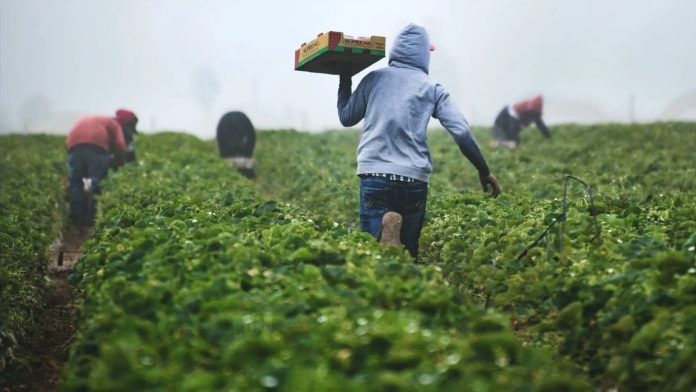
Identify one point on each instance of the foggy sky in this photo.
(181, 64)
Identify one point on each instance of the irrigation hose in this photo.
(560, 218)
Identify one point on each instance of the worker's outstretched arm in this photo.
(542, 127)
(118, 143)
(351, 106)
(454, 122)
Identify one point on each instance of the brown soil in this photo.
(41, 359)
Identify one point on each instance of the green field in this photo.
(199, 279)
(31, 174)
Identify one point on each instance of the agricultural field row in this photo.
(197, 278)
(620, 306)
(32, 205)
(195, 281)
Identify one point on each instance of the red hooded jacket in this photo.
(530, 110)
(101, 131)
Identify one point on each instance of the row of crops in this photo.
(194, 282)
(198, 279)
(622, 308)
(31, 205)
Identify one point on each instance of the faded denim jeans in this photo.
(378, 195)
(85, 161)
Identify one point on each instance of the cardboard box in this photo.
(333, 53)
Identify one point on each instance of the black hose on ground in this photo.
(558, 219)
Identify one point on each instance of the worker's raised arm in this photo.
(351, 106)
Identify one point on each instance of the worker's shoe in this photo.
(391, 229)
(509, 144)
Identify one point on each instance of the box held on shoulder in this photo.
(335, 53)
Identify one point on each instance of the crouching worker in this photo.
(394, 161)
(90, 144)
(128, 120)
(513, 118)
(236, 138)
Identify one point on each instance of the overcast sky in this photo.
(181, 64)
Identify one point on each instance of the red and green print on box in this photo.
(334, 53)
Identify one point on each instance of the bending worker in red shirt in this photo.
(513, 118)
(90, 144)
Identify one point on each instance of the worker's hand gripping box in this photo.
(336, 53)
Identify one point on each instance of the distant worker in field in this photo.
(236, 138)
(394, 161)
(513, 118)
(90, 144)
(128, 120)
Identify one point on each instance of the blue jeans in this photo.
(378, 195)
(85, 161)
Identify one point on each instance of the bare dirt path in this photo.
(42, 358)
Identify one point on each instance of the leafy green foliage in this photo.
(315, 171)
(193, 281)
(620, 307)
(198, 279)
(31, 171)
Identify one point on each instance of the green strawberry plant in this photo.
(31, 201)
(193, 281)
(199, 279)
(619, 307)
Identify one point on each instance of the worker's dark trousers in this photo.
(378, 195)
(85, 161)
(506, 127)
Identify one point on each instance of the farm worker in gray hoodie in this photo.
(394, 161)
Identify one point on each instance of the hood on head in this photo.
(411, 48)
(126, 118)
(535, 104)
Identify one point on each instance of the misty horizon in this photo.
(181, 65)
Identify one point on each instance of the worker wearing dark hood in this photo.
(236, 139)
(394, 161)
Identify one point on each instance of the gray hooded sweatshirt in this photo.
(397, 102)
